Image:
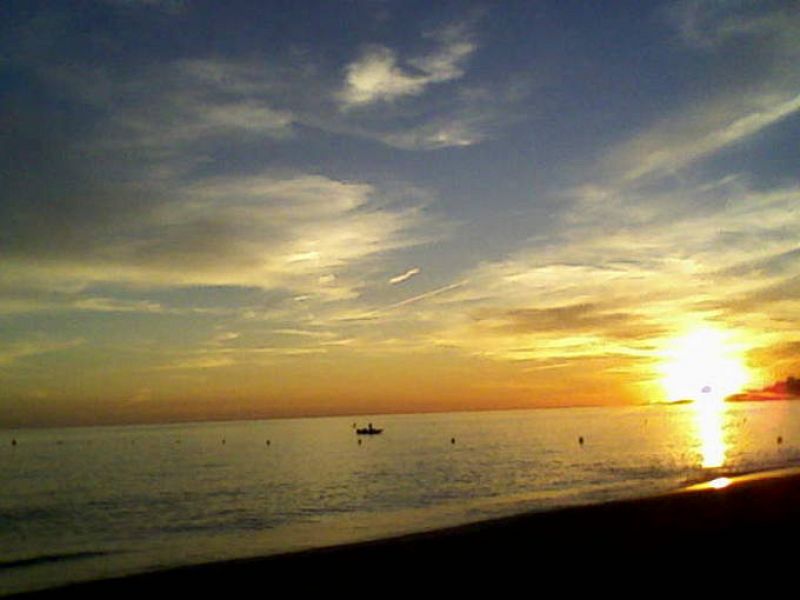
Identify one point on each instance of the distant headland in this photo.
(781, 390)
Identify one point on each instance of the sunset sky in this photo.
(253, 209)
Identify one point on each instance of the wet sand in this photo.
(749, 528)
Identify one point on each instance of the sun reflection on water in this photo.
(713, 448)
(704, 366)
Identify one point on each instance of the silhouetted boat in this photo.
(368, 430)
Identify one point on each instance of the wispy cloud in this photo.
(259, 198)
(618, 281)
(201, 362)
(373, 314)
(376, 75)
(405, 276)
(225, 337)
(711, 25)
(760, 43)
(452, 132)
(425, 296)
(158, 207)
(173, 106)
(586, 318)
(179, 110)
(302, 233)
(699, 133)
(102, 304)
(12, 352)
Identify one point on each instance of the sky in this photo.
(250, 209)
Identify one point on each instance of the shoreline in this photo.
(748, 521)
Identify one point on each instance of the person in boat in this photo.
(369, 430)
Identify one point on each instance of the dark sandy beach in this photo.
(749, 528)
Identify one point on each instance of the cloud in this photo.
(170, 107)
(295, 197)
(376, 76)
(223, 118)
(11, 352)
(777, 263)
(157, 107)
(99, 304)
(301, 233)
(780, 390)
(710, 25)
(180, 179)
(405, 276)
(224, 337)
(634, 270)
(215, 100)
(451, 133)
(382, 313)
(699, 133)
(427, 295)
(456, 119)
(175, 114)
(749, 51)
(202, 362)
(780, 354)
(766, 295)
(593, 318)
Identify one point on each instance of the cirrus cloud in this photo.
(376, 75)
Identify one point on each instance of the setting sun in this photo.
(704, 366)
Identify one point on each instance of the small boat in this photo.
(368, 430)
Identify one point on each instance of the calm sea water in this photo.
(85, 503)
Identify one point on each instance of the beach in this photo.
(746, 523)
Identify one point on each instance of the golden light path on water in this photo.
(705, 366)
(713, 448)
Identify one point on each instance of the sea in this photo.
(80, 504)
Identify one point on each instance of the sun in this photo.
(704, 366)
